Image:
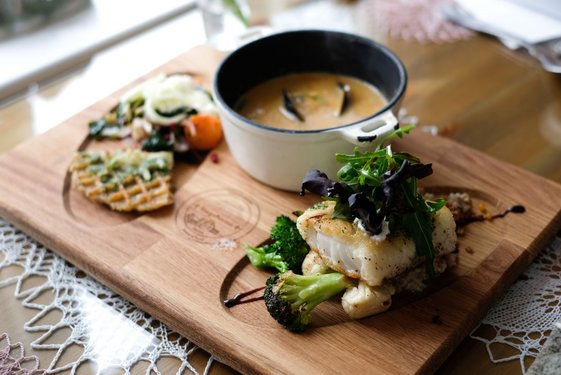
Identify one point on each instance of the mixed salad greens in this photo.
(380, 188)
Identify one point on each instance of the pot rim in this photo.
(389, 105)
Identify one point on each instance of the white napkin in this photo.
(532, 21)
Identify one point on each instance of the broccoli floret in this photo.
(290, 298)
(265, 256)
(285, 253)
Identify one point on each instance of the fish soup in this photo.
(310, 101)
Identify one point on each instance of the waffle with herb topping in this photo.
(127, 180)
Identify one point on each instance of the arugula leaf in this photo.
(436, 205)
(400, 132)
(418, 225)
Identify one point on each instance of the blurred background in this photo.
(59, 56)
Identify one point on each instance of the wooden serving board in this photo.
(180, 262)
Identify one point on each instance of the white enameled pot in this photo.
(279, 157)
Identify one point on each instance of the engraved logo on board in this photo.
(216, 215)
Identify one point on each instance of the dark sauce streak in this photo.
(517, 209)
(238, 299)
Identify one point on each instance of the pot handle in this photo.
(371, 131)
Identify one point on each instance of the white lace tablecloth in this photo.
(114, 333)
(521, 320)
(525, 316)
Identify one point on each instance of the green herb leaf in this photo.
(123, 113)
(418, 225)
(436, 205)
(398, 133)
(177, 111)
(96, 127)
(342, 211)
(157, 142)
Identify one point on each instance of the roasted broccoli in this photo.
(290, 298)
(285, 253)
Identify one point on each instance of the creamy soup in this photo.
(309, 101)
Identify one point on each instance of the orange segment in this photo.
(202, 131)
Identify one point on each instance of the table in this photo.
(478, 92)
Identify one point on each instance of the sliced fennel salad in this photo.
(163, 114)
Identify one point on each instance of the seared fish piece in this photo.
(345, 248)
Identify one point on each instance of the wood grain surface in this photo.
(171, 262)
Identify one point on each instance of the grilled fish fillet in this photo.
(345, 248)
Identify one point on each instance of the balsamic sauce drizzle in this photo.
(238, 299)
(517, 209)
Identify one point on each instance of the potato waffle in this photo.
(129, 180)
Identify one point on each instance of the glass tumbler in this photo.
(225, 21)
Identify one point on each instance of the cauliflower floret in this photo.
(313, 264)
(364, 300)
